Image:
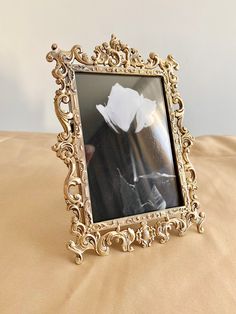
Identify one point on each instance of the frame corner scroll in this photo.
(117, 57)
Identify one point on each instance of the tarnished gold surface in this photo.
(116, 57)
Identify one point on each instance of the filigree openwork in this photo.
(117, 57)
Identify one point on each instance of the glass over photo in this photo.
(128, 145)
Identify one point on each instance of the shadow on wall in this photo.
(17, 113)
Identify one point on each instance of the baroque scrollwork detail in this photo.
(86, 240)
(145, 235)
(164, 228)
(117, 57)
(181, 224)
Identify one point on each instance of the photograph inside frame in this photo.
(128, 145)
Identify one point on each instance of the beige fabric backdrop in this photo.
(193, 274)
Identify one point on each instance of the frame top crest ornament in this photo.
(116, 57)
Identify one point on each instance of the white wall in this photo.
(200, 34)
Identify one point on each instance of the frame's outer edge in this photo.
(116, 57)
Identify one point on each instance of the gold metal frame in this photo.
(117, 58)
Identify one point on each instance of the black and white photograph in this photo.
(128, 145)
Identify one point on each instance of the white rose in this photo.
(125, 104)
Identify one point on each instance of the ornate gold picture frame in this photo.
(116, 58)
